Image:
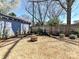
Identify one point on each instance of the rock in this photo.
(72, 36)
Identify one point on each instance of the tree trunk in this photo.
(68, 17)
(33, 14)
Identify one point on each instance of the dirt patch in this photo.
(45, 48)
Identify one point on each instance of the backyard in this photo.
(44, 48)
(39, 29)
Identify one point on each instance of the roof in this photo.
(14, 18)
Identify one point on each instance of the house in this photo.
(11, 25)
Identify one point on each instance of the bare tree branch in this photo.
(62, 5)
(31, 14)
(40, 14)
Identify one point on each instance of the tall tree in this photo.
(67, 6)
(54, 22)
(40, 10)
(54, 10)
(43, 10)
(7, 5)
(12, 14)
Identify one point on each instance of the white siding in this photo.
(24, 27)
(10, 25)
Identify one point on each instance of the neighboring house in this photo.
(11, 25)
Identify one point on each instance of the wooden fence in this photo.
(74, 27)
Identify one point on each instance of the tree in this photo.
(67, 6)
(12, 14)
(39, 12)
(43, 10)
(54, 22)
(7, 5)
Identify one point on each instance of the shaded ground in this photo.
(44, 48)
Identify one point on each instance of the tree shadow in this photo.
(6, 43)
(16, 27)
(10, 49)
(7, 40)
(70, 41)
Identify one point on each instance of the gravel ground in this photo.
(45, 48)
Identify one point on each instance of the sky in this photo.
(19, 11)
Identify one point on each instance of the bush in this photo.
(72, 36)
(78, 35)
(56, 33)
(5, 34)
(0, 35)
(44, 32)
(39, 31)
(74, 32)
(61, 35)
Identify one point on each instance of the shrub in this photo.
(61, 35)
(78, 32)
(56, 33)
(0, 34)
(74, 32)
(39, 31)
(5, 34)
(78, 35)
(72, 36)
(44, 32)
(24, 32)
(17, 33)
(61, 32)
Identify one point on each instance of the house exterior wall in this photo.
(24, 28)
(11, 27)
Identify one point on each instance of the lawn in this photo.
(45, 48)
